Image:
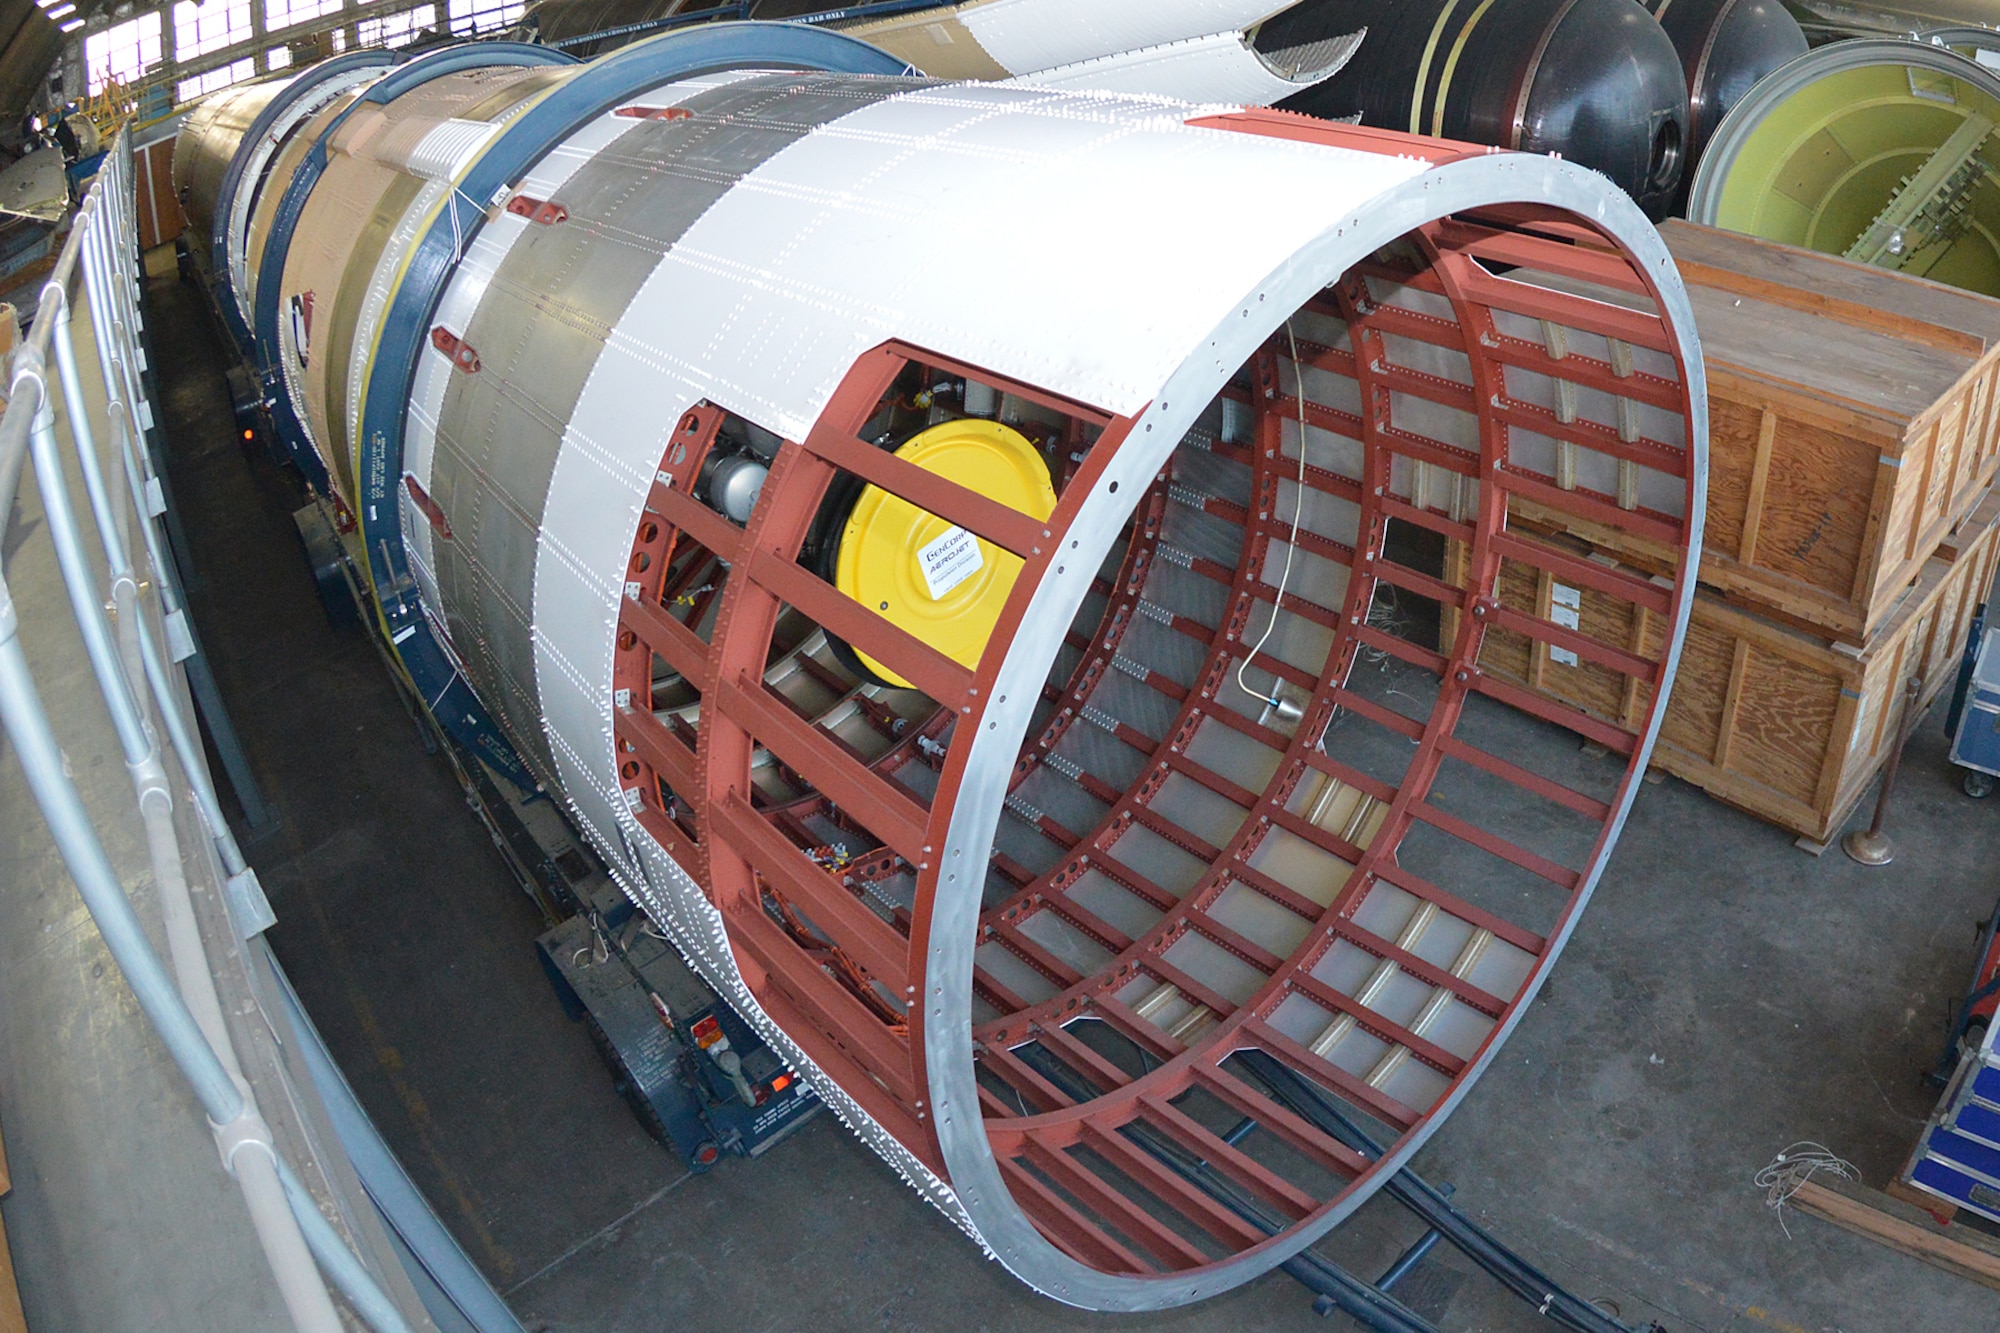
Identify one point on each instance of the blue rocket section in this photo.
(431, 670)
(232, 177)
(435, 256)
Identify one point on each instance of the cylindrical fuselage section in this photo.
(385, 164)
(1595, 81)
(209, 140)
(1886, 152)
(942, 615)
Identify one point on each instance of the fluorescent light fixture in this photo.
(62, 10)
(72, 25)
(45, 3)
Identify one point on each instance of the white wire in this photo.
(451, 206)
(1792, 1168)
(1292, 546)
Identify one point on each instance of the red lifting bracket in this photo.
(653, 112)
(462, 354)
(427, 506)
(545, 211)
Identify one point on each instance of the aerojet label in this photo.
(949, 561)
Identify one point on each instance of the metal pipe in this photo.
(117, 348)
(305, 1296)
(288, 1247)
(278, 1232)
(84, 439)
(63, 534)
(337, 1260)
(118, 407)
(1871, 846)
(14, 447)
(98, 884)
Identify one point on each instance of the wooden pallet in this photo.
(1785, 725)
(1904, 1227)
(1854, 421)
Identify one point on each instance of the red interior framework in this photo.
(1251, 915)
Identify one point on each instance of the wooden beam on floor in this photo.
(1904, 1228)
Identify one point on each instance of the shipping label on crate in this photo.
(1565, 609)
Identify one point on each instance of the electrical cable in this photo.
(1792, 1168)
(1292, 546)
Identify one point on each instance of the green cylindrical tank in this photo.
(1884, 151)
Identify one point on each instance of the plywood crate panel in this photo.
(1854, 421)
(1786, 725)
(158, 208)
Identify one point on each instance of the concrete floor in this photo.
(1725, 995)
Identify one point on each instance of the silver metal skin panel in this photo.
(283, 165)
(990, 39)
(748, 262)
(1219, 67)
(388, 169)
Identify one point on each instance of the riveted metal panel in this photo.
(339, 244)
(548, 310)
(279, 171)
(207, 143)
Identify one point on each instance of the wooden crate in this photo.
(1788, 726)
(1854, 420)
(157, 207)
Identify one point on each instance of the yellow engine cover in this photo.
(927, 576)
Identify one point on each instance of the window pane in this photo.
(200, 29)
(285, 13)
(122, 54)
(470, 16)
(397, 29)
(189, 89)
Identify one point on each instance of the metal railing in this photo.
(136, 636)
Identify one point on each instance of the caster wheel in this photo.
(1977, 785)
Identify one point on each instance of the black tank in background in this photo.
(1725, 47)
(1597, 81)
